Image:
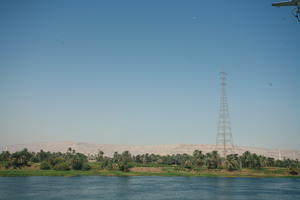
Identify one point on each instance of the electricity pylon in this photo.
(224, 143)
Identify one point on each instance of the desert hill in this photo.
(109, 149)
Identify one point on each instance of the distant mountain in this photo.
(109, 149)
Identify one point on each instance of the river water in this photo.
(148, 188)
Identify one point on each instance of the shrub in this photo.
(124, 167)
(188, 164)
(62, 166)
(5, 164)
(86, 167)
(45, 165)
(34, 159)
(55, 160)
(293, 172)
(106, 164)
(77, 164)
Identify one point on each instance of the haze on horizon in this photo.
(146, 72)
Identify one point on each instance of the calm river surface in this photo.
(148, 188)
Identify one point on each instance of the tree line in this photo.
(48, 160)
(125, 160)
(198, 160)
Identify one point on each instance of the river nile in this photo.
(148, 188)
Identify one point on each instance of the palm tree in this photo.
(232, 162)
(99, 156)
(213, 160)
(246, 159)
(198, 158)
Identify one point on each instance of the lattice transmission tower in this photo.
(224, 143)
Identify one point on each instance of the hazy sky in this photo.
(146, 71)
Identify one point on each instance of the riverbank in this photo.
(154, 171)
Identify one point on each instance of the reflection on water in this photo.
(148, 188)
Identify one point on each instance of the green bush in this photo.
(5, 164)
(45, 165)
(106, 163)
(76, 164)
(86, 167)
(124, 167)
(55, 160)
(293, 172)
(62, 166)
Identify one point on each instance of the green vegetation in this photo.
(25, 163)
(196, 161)
(170, 171)
(57, 161)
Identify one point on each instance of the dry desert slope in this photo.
(109, 149)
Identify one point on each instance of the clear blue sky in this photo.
(146, 72)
